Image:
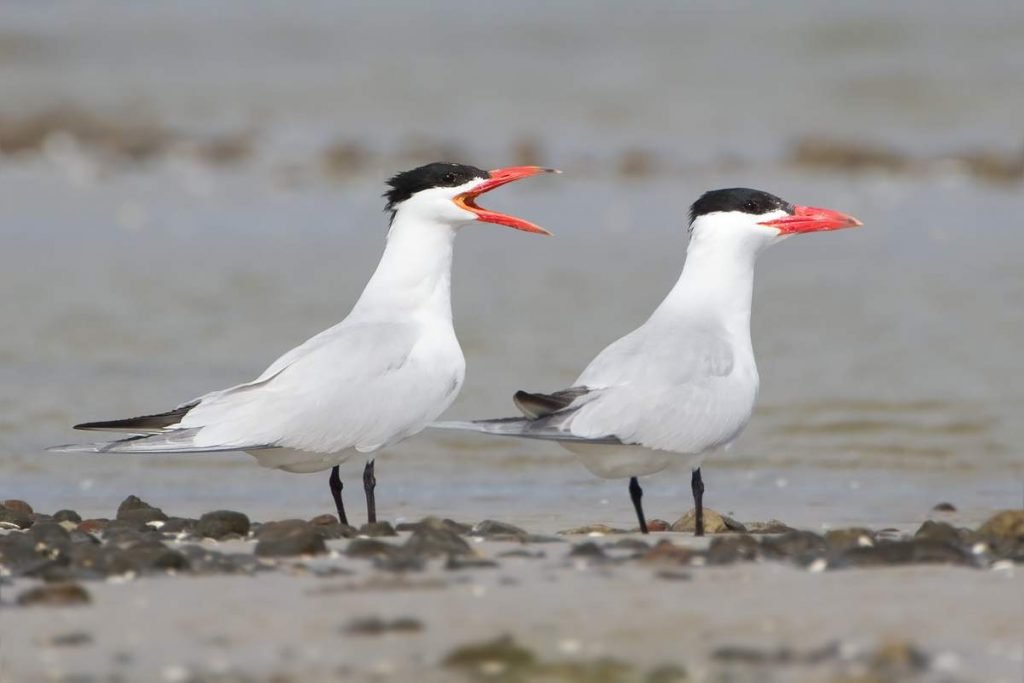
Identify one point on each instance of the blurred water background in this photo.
(189, 189)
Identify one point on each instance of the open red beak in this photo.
(499, 177)
(812, 219)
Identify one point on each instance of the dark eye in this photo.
(449, 177)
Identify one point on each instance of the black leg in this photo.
(697, 486)
(369, 484)
(635, 494)
(336, 487)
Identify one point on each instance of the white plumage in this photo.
(685, 382)
(379, 376)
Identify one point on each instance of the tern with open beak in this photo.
(379, 376)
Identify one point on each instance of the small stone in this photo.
(727, 550)
(1006, 525)
(14, 518)
(499, 531)
(177, 525)
(324, 520)
(668, 673)
(369, 547)
(588, 551)
(19, 506)
(499, 656)
(524, 553)
(376, 626)
(134, 509)
(457, 527)
(592, 530)
(897, 659)
(916, 551)
(375, 529)
(54, 595)
(939, 531)
(944, 507)
(656, 525)
(668, 552)
(714, 523)
(674, 575)
(70, 639)
(50, 535)
(93, 526)
(456, 562)
(222, 524)
(772, 526)
(433, 538)
(802, 547)
(67, 516)
(839, 540)
(287, 538)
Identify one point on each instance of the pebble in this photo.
(15, 518)
(727, 550)
(221, 524)
(802, 547)
(433, 538)
(772, 526)
(54, 595)
(374, 529)
(134, 509)
(714, 523)
(67, 516)
(377, 626)
(288, 538)
(916, 551)
(839, 540)
(588, 551)
(593, 530)
(498, 531)
(456, 562)
(944, 507)
(19, 506)
(668, 552)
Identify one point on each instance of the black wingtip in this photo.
(142, 423)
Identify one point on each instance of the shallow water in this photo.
(888, 355)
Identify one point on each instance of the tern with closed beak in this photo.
(685, 382)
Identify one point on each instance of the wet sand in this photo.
(435, 602)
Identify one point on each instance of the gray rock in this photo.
(14, 518)
(730, 549)
(375, 529)
(916, 551)
(588, 551)
(134, 509)
(714, 523)
(433, 538)
(457, 562)
(498, 531)
(802, 547)
(368, 547)
(289, 538)
(376, 626)
(221, 524)
(67, 516)
(840, 540)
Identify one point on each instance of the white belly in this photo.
(301, 462)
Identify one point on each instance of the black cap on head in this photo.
(741, 199)
(438, 174)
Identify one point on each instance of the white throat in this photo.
(414, 275)
(716, 285)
